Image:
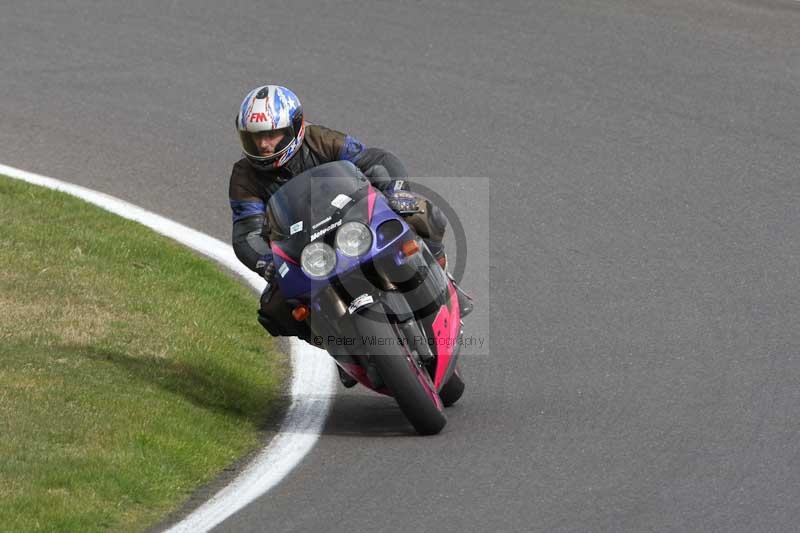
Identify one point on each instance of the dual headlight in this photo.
(352, 239)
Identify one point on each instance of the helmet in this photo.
(268, 108)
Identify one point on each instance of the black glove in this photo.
(269, 275)
(266, 267)
(269, 272)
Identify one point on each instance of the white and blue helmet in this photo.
(265, 108)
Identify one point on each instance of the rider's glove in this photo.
(266, 267)
(404, 203)
(269, 272)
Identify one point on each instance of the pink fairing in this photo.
(370, 202)
(445, 334)
(283, 255)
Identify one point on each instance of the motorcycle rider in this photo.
(278, 144)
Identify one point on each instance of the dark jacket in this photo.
(251, 186)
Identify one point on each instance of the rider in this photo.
(278, 144)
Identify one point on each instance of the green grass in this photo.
(131, 370)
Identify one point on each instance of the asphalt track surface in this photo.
(641, 290)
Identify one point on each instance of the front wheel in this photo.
(407, 379)
(400, 370)
(413, 389)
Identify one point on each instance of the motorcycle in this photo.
(365, 287)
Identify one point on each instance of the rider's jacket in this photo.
(251, 186)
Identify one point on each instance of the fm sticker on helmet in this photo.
(297, 226)
(340, 201)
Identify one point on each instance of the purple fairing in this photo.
(294, 283)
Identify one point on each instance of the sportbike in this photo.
(363, 286)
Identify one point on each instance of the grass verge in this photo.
(131, 370)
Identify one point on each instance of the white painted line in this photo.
(313, 375)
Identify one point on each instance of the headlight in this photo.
(353, 239)
(318, 259)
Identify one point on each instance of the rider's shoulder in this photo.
(323, 140)
(241, 164)
(242, 169)
(318, 132)
(246, 175)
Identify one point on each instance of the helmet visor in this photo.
(266, 145)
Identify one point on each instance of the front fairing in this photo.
(311, 204)
(311, 207)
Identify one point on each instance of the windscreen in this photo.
(311, 202)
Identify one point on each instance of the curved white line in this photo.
(313, 382)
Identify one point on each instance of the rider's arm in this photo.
(249, 244)
(383, 169)
(380, 166)
(388, 174)
(248, 210)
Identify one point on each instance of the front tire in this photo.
(411, 386)
(399, 369)
(413, 390)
